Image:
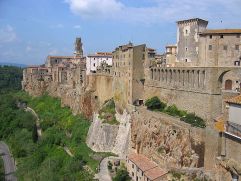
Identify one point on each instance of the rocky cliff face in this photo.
(77, 99)
(104, 137)
(166, 140)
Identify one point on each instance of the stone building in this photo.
(221, 47)
(229, 127)
(141, 168)
(188, 40)
(128, 73)
(95, 60)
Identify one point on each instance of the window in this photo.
(210, 36)
(210, 47)
(236, 47)
(132, 165)
(186, 31)
(236, 63)
(132, 174)
(221, 36)
(225, 47)
(186, 49)
(186, 60)
(94, 64)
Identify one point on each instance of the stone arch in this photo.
(228, 84)
(220, 79)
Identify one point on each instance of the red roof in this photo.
(155, 173)
(235, 100)
(142, 162)
(150, 169)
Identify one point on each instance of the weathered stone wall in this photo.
(212, 51)
(204, 105)
(103, 137)
(101, 86)
(167, 140)
(187, 40)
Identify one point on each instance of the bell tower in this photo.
(78, 48)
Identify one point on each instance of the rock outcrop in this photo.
(166, 140)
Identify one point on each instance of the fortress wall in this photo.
(193, 89)
(204, 105)
(102, 87)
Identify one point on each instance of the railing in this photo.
(233, 128)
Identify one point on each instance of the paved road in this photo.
(8, 162)
(104, 174)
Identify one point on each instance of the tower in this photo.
(78, 48)
(188, 40)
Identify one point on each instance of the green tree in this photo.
(122, 175)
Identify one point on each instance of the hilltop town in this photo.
(195, 130)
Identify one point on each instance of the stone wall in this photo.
(103, 137)
(166, 140)
(195, 89)
(101, 86)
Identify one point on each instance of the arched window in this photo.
(228, 85)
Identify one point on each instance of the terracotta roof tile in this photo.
(155, 173)
(235, 100)
(142, 162)
(222, 31)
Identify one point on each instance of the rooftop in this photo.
(142, 162)
(155, 173)
(221, 31)
(192, 20)
(235, 100)
(150, 169)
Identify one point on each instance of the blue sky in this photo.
(32, 29)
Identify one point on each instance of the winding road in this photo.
(39, 130)
(9, 165)
(104, 174)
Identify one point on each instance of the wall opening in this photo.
(228, 85)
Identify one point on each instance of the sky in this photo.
(30, 30)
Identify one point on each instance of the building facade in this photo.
(140, 168)
(95, 60)
(188, 40)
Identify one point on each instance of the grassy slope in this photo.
(45, 159)
(60, 128)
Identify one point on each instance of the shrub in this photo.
(122, 175)
(174, 111)
(194, 120)
(154, 103)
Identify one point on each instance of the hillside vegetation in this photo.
(10, 78)
(45, 158)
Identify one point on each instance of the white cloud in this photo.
(161, 10)
(7, 34)
(57, 26)
(77, 26)
(89, 8)
(53, 52)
